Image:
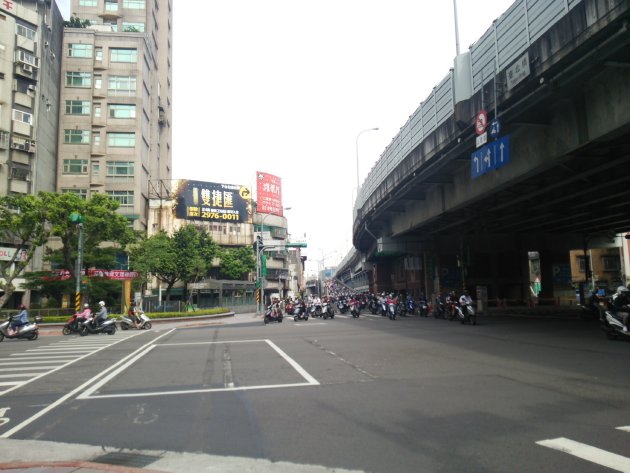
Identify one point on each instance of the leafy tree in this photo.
(105, 233)
(185, 256)
(236, 262)
(24, 223)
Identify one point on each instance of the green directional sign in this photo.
(296, 245)
(76, 217)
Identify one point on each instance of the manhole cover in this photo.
(126, 459)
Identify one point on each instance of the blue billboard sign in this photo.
(490, 157)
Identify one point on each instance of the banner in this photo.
(213, 202)
(118, 274)
(269, 194)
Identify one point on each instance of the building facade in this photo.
(115, 117)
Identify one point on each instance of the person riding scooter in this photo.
(19, 320)
(101, 315)
(133, 314)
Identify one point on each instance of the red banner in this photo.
(117, 274)
(269, 190)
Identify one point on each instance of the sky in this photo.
(286, 86)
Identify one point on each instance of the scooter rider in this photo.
(621, 301)
(85, 313)
(465, 300)
(101, 315)
(19, 320)
(133, 314)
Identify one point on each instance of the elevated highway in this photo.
(432, 215)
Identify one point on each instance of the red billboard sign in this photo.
(269, 190)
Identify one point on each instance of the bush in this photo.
(154, 315)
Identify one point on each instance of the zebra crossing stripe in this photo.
(625, 429)
(586, 452)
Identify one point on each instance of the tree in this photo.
(76, 22)
(236, 262)
(23, 223)
(185, 256)
(106, 235)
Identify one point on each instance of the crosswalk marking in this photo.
(625, 429)
(586, 452)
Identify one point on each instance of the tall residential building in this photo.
(115, 119)
(30, 63)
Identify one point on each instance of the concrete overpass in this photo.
(437, 212)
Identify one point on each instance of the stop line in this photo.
(587, 452)
(22, 368)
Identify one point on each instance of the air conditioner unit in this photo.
(27, 68)
(32, 147)
(31, 87)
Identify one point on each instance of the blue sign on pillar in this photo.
(490, 157)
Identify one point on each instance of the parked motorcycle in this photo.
(126, 323)
(439, 311)
(89, 325)
(391, 310)
(423, 308)
(612, 325)
(374, 306)
(411, 305)
(30, 331)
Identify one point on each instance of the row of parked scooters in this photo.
(299, 310)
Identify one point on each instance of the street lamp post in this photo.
(357, 148)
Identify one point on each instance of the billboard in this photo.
(212, 202)
(269, 194)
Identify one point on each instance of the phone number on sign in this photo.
(218, 216)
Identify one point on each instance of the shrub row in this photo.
(153, 315)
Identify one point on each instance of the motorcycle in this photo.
(466, 314)
(30, 331)
(300, 312)
(383, 304)
(411, 306)
(73, 324)
(342, 305)
(327, 310)
(273, 314)
(439, 311)
(90, 325)
(423, 308)
(374, 306)
(391, 310)
(126, 323)
(401, 309)
(289, 308)
(355, 309)
(612, 325)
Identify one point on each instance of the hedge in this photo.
(153, 315)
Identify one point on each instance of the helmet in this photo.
(101, 303)
(621, 289)
(21, 307)
(85, 306)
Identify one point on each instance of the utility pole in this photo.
(78, 219)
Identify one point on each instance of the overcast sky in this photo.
(285, 86)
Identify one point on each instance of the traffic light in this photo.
(258, 243)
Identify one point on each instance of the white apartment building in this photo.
(116, 89)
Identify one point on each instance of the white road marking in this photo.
(586, 452)
(64, 398)
(88, 393)
(625, 429)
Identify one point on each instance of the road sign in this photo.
(481, 122)
(481, 140)
(495, 128)
(490, 157)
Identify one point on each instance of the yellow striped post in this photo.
(77, 301)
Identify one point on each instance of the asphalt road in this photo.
(367, 394)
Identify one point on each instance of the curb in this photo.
(64, 465)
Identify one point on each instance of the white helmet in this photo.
(621, 289)
(102, 303)
(86, 305)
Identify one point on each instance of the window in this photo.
(77, 107)
(80, 192)
(134, 4)
(611, 263)
(96, 138)
(121, 111)
(96, 169)
(133, 27)
(25, 31)
(122, 86)
(21, 173)
(24, 117)
(98, 54)
(88, 3)
(120, 168)
(79, 50)
(581, 263)
(78, 79)
(124, 198)
(123, 55)
(97, 110)
(76, 137)
(75, 166)
(111, 5)
(27, 58)
(98, 81)
(112, 24)
(121, 140)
